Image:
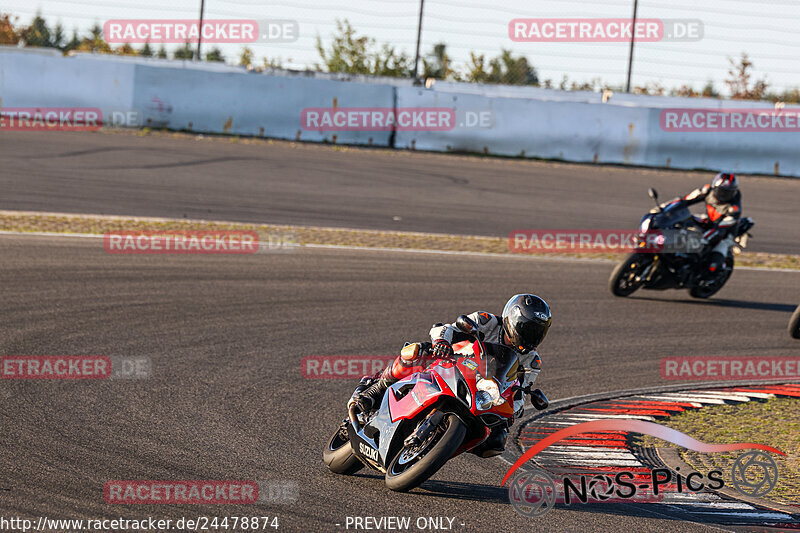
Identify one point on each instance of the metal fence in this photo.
(680, 48)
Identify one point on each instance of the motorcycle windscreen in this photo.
(674, 214)
(501, 362)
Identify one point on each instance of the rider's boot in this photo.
(495, 444)
(370, 398)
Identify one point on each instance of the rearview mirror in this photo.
(466, 325)
(653, 194)
(539, 400)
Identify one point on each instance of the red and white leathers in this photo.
(490, 329)
(721, 218)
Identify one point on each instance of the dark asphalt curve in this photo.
(313, 185)
(226, 399)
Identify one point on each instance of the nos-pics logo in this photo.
(534, 492)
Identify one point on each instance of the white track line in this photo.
(549, 257)
(688, 399)
(586, 417)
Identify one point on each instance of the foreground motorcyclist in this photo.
(522, 326)
(723, 210)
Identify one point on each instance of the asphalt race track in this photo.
(225, 334)
(315, 185)
(226, 399)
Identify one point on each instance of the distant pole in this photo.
(200, 29)
(419, 37)
(630, 54)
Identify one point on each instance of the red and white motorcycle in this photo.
(431, 416)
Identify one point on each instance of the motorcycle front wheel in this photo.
(623, 280)
(338, 454)
(413, 465)
(794, 324)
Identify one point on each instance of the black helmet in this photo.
(526, 319)
(725, 187)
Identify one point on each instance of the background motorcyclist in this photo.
(723, 209)
(523, 324)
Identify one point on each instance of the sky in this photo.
(766, 30)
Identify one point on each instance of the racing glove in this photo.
(442, 349)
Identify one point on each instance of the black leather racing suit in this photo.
(720, 220)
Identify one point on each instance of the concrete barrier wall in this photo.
(753, 153)
(251, 104)
(39, 78)
(572, 131)
(525, 121)
(602, 133)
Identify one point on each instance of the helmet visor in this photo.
(530, 334)
(724, 194)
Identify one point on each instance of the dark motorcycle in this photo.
(429, 417)
(681, 259)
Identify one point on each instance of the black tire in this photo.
(441, 448)
(707, 292)
(794, 324)
(339, 457)
(621, 280)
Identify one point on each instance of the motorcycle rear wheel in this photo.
(622, 281)
(707, 292)
(339, 457)
(794, 324)
(408, 470)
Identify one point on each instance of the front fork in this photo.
(648, 271)
(424, 428)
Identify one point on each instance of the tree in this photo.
(185, 52)
(57, 39)
(162, 52)
(351, 54)
(73, 43)
(595, 84)
(95, 42)
(513, 71)
(146, 50)
(215, 55)
(437, 64)
(8, 34)
(788, 96)
(37, 34)
(126, 50)
(348, 53)
(386, 62)
(273, 62)
(739, 78)
(476, 69)
(709, 91)
(652, 88)
(246, 58)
